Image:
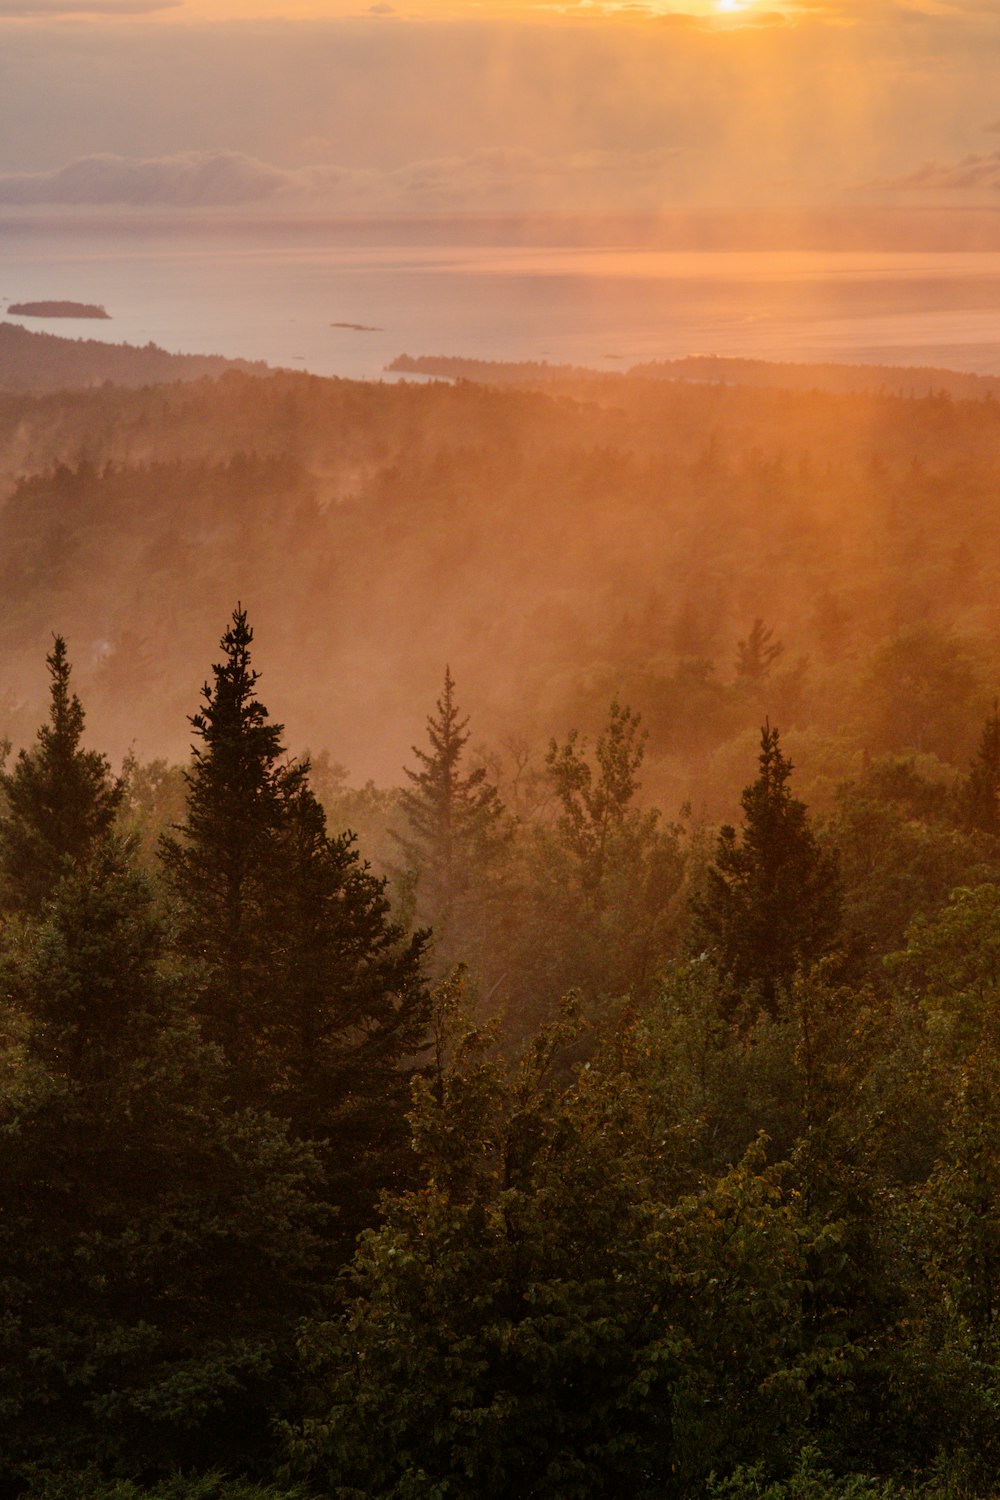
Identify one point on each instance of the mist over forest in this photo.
(499, 885)
(558, 547)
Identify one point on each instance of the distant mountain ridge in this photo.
(41, 363)
(832, 377)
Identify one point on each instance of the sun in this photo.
(731, 5)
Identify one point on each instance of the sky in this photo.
(499, 106)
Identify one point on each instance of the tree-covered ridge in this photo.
(558, 547)
(34, 362)
(685, 1185)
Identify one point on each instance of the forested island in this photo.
(36, 363)
(578, 1075)
(58, 310)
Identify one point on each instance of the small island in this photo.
(57, 310)
(358, 327)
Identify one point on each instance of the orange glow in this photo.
(397, 12)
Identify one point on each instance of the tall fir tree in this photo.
(353, 1009)
(313, 993)
(772, 900)
(156, 1250)
(59, 800)
(222, 866)
(979, 793)
(458, 830)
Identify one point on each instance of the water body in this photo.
(278, 293)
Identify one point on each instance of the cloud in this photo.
(973, 173)
(23, 10)
(488, 179)
(208, 178)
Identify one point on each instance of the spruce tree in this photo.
(353, 1009)
(457, 822)
(313, 993)
(758, 653)
(59, 800)
(222, 867)
(772, 899)
(980, 792)
(156, 1250)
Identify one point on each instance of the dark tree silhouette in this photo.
(757, 654)
(59, 800)
(313, 993)
(772, 900)
(980, 792)
(455, 821)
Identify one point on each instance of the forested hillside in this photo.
(555, 547)
(32, 362)
(579, 1076)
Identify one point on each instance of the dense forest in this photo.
(578, 1077)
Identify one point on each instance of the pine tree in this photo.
(980, 792)
(156, 1250)
(457, 823)
(59, 800)
(353, 1009)
(772, 901)
(222, 867)
(757, 654)
(312, 992)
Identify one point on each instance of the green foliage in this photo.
(601, 881)
(951, 966)
(313, 994)
(153, 795)
(979, 796)
(222, 867)
(459, 834)
(900, 854)
(154, 1250)
(809, 1481)
(541, 1319)
(772, 897)
(923, 689)
(58, 800)
(83, 1485)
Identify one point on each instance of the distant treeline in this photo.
(42, 362)
(718, 369)
(557, 546)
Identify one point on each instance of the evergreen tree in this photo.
(597, 810)
(59, 800)
(980, 792)
(602, 879)
(772, 899)
(757, 654)
(223, 869)
(353, 1009)
(312, 992)
(458, 828)
(155, 1250)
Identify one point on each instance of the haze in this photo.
(433, 107)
